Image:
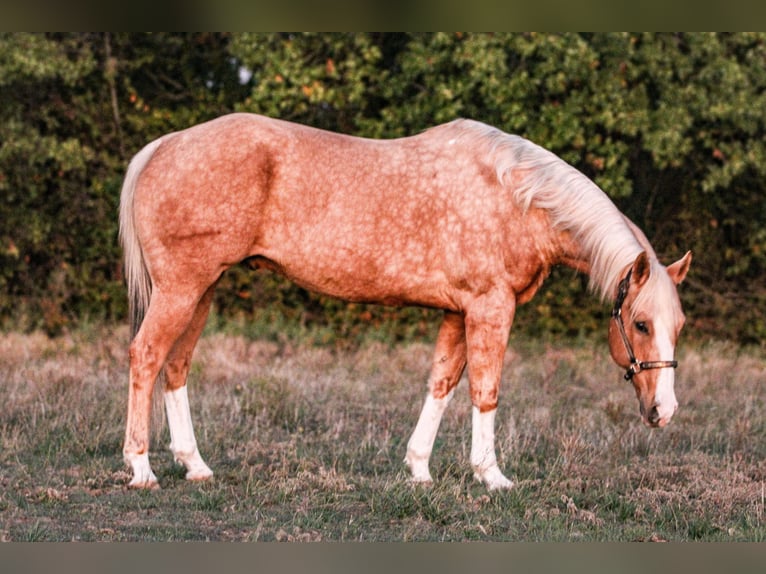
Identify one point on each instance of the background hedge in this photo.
(671, 126)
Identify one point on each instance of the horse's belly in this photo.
(360, 281)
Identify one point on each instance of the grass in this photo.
(307, 444)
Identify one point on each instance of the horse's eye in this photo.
(642, 328)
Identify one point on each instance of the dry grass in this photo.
(307, 444)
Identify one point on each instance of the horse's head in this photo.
(646, 321)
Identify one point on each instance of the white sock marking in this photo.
(421, 442)
(483, 459)
(183, 444)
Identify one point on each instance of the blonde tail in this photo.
(136, 274)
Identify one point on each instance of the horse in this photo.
(461, 217)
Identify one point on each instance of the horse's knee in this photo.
(484, 398)
(176, 371)
(442, 387)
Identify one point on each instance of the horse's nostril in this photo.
(654, 416)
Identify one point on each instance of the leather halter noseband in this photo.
(636, 366)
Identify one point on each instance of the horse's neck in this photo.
(604, 258)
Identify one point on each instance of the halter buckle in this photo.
(633, 369)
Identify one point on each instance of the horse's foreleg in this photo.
(166, 319)
(183, 443)
(487, 332)
(448, 365)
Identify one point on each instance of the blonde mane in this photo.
(574, 202)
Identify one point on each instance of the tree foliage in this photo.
(671, 126)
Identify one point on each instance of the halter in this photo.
(636, 366)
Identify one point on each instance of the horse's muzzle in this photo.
(653, 416)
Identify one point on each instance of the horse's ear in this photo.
(641, 269)
(680, 268)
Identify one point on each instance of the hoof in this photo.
(503, 484)
(144, 484)
(199, 475)
(419, 468)
(143, 477)
(196, 469)
(493, 479)
(421, 482)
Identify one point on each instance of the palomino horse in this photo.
(462, 217)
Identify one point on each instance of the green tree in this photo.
(43, 166)
(73, 108)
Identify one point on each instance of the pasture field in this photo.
(307, 443)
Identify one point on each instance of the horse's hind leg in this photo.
(448, 365)
(167, 318)
(183, 443)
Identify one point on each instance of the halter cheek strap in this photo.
(636, 366)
